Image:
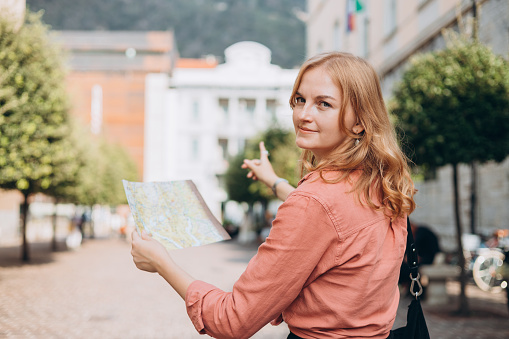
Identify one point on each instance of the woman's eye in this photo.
(299, 100)
(325, 104)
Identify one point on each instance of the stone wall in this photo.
(435, 201)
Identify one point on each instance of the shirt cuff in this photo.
(194, 301)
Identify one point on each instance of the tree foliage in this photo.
(36, 154)
(35, 149)
(284, 156)
(40, 151)
(453, 105)
(102, 166)
(201, 27)
(115, 165)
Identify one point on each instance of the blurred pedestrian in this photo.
(81, 224)
(329, 267)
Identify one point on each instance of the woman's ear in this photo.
(358, 128)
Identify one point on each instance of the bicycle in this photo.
(487, 262)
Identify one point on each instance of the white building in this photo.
(198, 118)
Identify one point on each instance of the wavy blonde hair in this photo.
(385, 182)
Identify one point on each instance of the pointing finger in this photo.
(264, 154)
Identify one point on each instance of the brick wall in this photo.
(123, 98)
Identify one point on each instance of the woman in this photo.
(329, 267)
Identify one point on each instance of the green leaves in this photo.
(33, 103)
(284, 156)
(453, 105)
(41, 150)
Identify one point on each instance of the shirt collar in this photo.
(306, 177)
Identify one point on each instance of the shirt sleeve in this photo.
(301, 233)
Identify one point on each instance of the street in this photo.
(97, 292)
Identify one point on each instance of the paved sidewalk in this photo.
(96, 292)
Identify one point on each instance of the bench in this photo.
(435, 277)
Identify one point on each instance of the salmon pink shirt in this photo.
(329, 268)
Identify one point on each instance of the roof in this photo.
(197, 63)
(149, 51)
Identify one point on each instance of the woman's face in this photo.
(316, 114)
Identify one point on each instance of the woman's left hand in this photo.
(261, 169)
(148, 253)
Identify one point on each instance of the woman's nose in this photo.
(304, 113)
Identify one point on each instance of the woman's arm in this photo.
(272, 280)
(149, 255)
(261, 169)
(302, 236)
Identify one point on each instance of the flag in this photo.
(352, 7)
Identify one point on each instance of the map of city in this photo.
(174, 213)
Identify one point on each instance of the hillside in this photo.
(201, 26)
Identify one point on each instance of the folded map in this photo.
(174, 213)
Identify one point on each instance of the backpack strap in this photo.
(412, 262)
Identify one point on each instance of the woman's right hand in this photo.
(147, 252)
(261, 169)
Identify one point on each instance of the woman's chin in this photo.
(303, 144)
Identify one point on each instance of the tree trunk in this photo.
(463, 306)
(473, 197)
(24, 218)
(54, 221)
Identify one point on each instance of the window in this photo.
(224, 105)
(337, 36)
(365, 37)
(223, 144)
(96, 111)
(248, 106)
(195, 149)
(241, 144)
(196, 110)
(271, 108)
(390, 16)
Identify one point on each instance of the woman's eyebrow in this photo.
(320, 97)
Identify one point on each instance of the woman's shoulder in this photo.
(338, 197)
(323, 188)
(327, 182)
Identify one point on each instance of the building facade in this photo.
(106, 81)
(199, 118)
(387, 33)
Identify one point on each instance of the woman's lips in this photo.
(306, 130)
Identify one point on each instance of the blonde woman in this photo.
(330, 265)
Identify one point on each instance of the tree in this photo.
(453, 107)
(116, 165)
(284, 156)
(35, 149)
(98, 178)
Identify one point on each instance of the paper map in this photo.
(174, 213)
